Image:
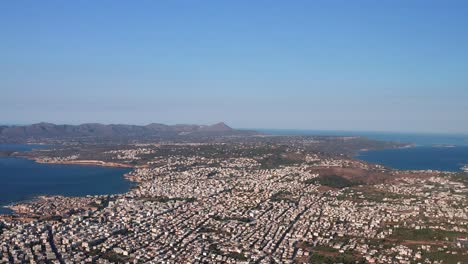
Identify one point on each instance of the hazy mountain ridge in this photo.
(49, 130)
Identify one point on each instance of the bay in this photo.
(420, 139)
(22, 179)
(419, 158)
(444, 152)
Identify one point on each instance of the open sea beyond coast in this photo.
(419, 158)
(22, 179)
(444, 152)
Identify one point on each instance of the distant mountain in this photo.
(53, 131)
(219, 127)
(159, 127)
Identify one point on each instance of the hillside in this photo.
(112, 131)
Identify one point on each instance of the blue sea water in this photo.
(419, 158)
(21, 147)
(420, 139)
(23, 179)
(444, 152)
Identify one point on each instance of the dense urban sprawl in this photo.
(246, 203)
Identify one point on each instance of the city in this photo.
(246, 131)
(224, 202)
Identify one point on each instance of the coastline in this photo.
(84, 162)
(73, 162)
(441, 158)
(13, 209)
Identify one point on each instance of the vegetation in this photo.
(379, 196)
(284, 196)
(424, 234)
(115, 258)
(281, 157)
(213, 248)
(461, 177)
(123, 231)
(372, 194)
(447, 257)
(211, 174)
(101, 205)
(324, 249)
(341, 258)
(333, 181)
(237, 256)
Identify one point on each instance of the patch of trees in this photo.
(424, 234)
(334, 181)
(211, 174)
(284, 196)
(341, 258)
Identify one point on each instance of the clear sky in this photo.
(346, 65)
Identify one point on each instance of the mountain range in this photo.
(53, 131)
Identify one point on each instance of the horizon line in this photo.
(259, 129)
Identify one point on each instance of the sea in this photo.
(444, 152)
(22, 179)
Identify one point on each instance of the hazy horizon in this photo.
(391, 66)
(261, 129)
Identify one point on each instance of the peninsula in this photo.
(243, 199)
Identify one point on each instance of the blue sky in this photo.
(334, 65)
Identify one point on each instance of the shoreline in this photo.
(84, 162)
(13, 213)
(460, 169)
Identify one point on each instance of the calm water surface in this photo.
(420, 139)
(429, 154)
(419, 158)
(23, 179)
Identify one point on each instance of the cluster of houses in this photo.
(194, 209)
